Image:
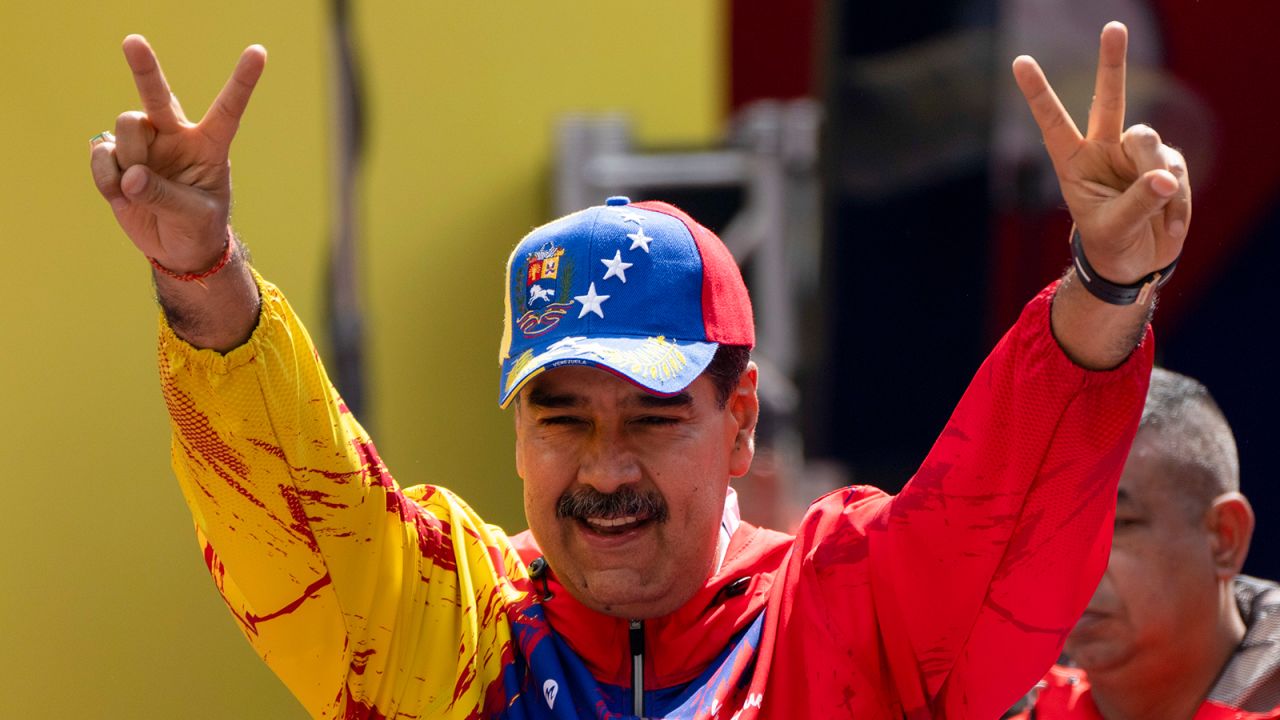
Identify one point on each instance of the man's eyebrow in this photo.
(543, 398)
(540, 397)
(1123, 497)
(679, 400)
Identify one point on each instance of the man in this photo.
(637, 591)
(1174, 631)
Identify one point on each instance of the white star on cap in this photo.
(639, 240)
(591, 302)
(629, 216)
(617, 268)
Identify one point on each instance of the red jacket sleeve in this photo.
(954, 597)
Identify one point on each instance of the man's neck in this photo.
(1172, 687)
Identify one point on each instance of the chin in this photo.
(1095, 656)
(631, 604)
(638, 610)
(628, 595)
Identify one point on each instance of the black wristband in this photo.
(1110, 292)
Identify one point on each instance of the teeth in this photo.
(612, 522)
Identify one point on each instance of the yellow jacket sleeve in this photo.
(360, 596)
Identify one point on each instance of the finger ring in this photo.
(101, 137)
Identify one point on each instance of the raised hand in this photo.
(168, 180)
(1127, 191)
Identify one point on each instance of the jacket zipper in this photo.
(637, 668)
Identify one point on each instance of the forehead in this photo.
(581, 385)
(1150, 478)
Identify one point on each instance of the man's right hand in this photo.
(168, 181)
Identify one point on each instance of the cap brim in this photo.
(658, 365)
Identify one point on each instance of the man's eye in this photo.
(1124, 523)
(656, 420)
(563, 420)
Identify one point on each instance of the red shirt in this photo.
(1065, 694)
(947, 600)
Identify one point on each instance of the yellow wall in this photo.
(106, 611)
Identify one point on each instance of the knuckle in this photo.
(1107, 103)
(1052, 121)
(1144, 136)
(102, 165)
(134, 127)
(99, 157)
(1174, 160)
(101, 178)
(224, 108)
(128, 120)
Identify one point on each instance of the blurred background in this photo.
(871, 165)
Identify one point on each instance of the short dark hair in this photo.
(1193, 435)
(726, 367)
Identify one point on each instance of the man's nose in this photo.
(608, 462)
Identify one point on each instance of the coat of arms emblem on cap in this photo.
(543, 283)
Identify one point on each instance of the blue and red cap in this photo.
(641, 290)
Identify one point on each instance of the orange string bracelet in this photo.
(198, 278)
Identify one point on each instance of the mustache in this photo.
(585, 502)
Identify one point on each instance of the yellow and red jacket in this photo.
(374, 601)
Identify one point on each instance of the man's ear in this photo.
(744, 406)
(1230, 523)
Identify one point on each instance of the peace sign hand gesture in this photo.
(168, 180)
(1128, 193)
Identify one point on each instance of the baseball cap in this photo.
(638, 289)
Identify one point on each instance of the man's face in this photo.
(624, 491)
(1161, 584)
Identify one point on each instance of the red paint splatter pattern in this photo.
(306, 534)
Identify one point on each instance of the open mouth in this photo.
(614, 519)
(611, 526)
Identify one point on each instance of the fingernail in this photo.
(133, 182)
(1164, 185)
(1177, 228)
(101, 138)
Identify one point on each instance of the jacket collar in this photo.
(683, 643)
